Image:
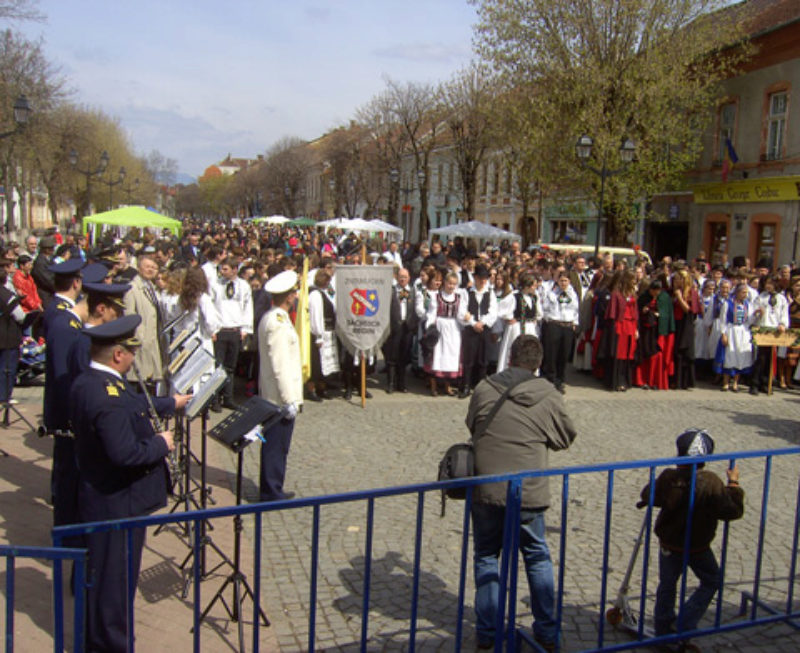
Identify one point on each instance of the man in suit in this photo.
(580, 277)
(191, 251)
(41, 270)
(141, 300)
(403, 324)
(122, 474)
(481, 316)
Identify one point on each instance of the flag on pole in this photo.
(303, 323)
(729, 160)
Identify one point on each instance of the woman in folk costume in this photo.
(736, 338)
(646, 373)
(702, 354)
(772, 312)
(714, 325)
(582, 359)
(604, 342)
(524, 319)
(448, 311)
(506, 302)
(622, 315)
(686, 305)
(422, 302)
(324, 347)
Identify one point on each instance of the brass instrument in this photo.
(175, 467)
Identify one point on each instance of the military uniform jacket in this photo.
(63, 329)
(281, 374)
(120, 458)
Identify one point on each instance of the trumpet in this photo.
(175, 467)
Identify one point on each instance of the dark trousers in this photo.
(397, 353)
(761, 363)
(474, 356)
(226, 351)
(64, 485)
(557, 341)
(110, 590)
(274, 452)
(8, 371)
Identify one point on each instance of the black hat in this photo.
(69, 268)
(47, 242)
(764, 263)
(94, 273)
(111, 292)
(739, 261)
(116, 332)
(481, 271)
(694, 442)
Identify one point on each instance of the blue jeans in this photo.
(670, 567)
(488, 541)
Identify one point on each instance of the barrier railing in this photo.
(57, 556)
(508, 634)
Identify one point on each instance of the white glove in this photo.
(290, 411)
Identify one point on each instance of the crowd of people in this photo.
(456, 308)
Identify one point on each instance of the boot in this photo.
(392, 376)
(348, 387)
(434, 390)
(401, 379)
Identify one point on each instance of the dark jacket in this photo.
(713, 501)
(532, 421)
(44, 278)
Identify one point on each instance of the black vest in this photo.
(521, 311)
(478, 311)
(328, 312)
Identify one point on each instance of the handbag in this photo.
(459, 459)
(430, 337)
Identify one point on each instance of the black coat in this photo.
(43, 278)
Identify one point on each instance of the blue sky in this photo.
(196, 79)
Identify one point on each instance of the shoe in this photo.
(289, 495)
(644, 386)
(434, 388)
(463, 393)
(389, 389)
(367, 394)
(402, 388)
(229, 404)
(734, 388)
(753, 390)
(313, 396)
(348, 394)
(725, 388)
(560, 387)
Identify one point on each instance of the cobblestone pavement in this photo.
(399, 439)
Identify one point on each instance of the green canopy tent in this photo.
(132, 216)
(302, 222)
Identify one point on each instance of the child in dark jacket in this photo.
(713, 501)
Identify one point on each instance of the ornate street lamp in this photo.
(89, 172)
(111, 185)
(22, 112)
(583, 150)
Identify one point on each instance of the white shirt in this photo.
(209, 268)
(235, 312)
(105, 368)
(561, 309)
(394, 257)
(490, 317)
(773, 316)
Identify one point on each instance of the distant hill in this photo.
(183, 178)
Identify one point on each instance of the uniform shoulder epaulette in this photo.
(280, 317)
(75, 324)
(63, 306)
(111, 389)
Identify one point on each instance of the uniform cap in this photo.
(281, 283)
(69, 268)
(111, 292)
(694, 442)
(94, 273)
(116, 332)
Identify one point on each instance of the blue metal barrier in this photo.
(508, 635)
(57, 555)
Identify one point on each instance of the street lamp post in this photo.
(89, 172)
(22, 111)
(583, 150)
(111, 185)
(130, 188)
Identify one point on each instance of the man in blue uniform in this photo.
(122, 474)
(62, 324)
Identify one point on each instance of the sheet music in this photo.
(177, 361)
(206, 392)
(198, 363)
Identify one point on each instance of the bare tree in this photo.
(416, 110)
(20, 10)
(285, 168)
(467, 101)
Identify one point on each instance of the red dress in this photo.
(626, 325)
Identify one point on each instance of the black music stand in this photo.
(230, 432)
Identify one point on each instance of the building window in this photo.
(450, 177)
(765, 241)
(776, 126)
(509, 176)
(568, 231)
(439, 177)
(727, 120)
(496, 178)
(718, 242)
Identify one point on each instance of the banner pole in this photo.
(363, 380)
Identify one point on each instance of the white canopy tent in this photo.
(273, 219)
(333, 223)
(474, 229)
(386, 227)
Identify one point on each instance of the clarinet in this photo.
(175, 470)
